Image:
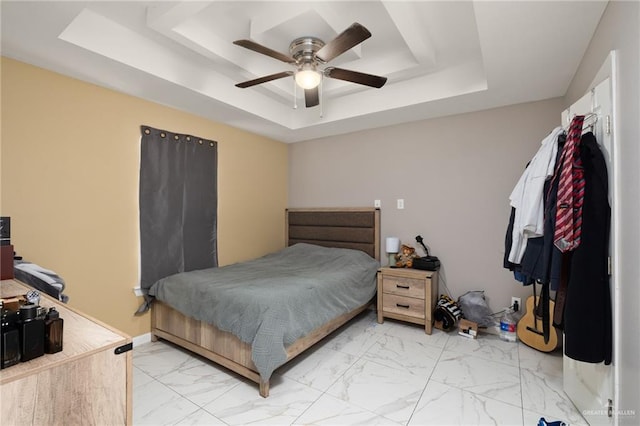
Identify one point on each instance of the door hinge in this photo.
(610, 408)
(609, 265)
(607, 124)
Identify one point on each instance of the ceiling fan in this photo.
(307, 54)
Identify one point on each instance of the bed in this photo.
(335, 240)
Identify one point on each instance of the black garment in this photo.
(508, 239)
(587, 312)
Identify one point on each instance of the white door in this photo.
(590, 386)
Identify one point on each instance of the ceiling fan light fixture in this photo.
(308, 78)
(307, 54)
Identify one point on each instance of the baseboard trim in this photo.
(142, 339)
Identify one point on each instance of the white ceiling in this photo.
(440, 58)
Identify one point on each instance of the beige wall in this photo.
(619, 29)
(455, 175)
(70, 162)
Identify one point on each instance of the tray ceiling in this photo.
(440, 58)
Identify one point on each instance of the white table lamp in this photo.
(393, 247)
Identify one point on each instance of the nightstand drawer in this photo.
(403, 305)
(401, 286)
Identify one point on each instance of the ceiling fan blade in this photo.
(311, 97)
(252, 45)
(355, 77)
(264, 79)
(350, 37)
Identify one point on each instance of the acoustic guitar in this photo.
(529, 329)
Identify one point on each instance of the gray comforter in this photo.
(272, 301)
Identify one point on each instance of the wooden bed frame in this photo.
(356, 228)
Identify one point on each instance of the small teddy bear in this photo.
(404, 259)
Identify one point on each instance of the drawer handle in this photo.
(406, 287)
(402, 306)
(124, 348)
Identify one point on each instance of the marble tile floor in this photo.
(365, 373)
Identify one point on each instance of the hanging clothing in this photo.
(580, 275)
(587, 311)
(542, 260)
(570, 191)
(527, 196)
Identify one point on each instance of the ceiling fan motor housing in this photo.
(304, 49)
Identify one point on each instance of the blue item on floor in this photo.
(543, 422)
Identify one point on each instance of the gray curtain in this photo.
(178, 205)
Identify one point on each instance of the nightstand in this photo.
(408, 295)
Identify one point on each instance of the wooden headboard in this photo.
(353, 228)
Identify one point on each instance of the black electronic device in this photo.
(425, 263)
(5, 230)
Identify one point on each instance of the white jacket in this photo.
(527, 196)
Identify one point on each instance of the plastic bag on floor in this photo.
(474, 308)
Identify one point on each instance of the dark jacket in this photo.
(587, 310)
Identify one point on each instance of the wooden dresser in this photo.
(408, 295)
(87, 383)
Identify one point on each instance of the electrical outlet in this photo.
(515, 300)
(377, 203)
(400, 203)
